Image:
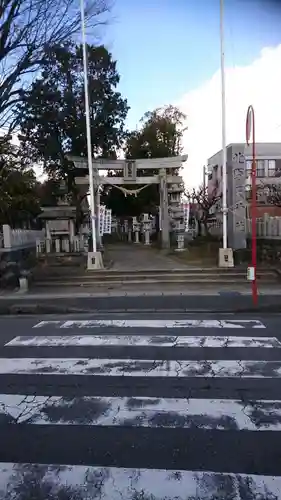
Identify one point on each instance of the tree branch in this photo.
(27, 29)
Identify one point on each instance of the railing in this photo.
(20, 238)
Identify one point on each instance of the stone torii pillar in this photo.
(164, 209)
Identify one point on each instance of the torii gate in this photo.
(129, 170)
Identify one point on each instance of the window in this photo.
(277, 168)
(260, 168)
(271, 168)
(249, 166)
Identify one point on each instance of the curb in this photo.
(35, 309)
(22, 296)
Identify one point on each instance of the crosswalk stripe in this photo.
(141, 367)
(154, 323)
(141, 412)
(111, 483)
(160, 431)
(143, 340)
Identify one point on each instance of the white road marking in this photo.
(119, 483)
(47, 323)
(142, 340)
(155, 323)
(219, 414)
(141, 367)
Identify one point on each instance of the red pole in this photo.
(251, 120)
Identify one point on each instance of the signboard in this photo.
(186, 210)
(239, 180)
(105, 220)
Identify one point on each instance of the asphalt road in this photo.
(221, 302)
(140, 407)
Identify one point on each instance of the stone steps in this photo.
(189, 277)
(157, 278)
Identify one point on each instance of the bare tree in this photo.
(267, 194)
(27, 29)
(273, 192)
(205, 200)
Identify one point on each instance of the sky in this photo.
(168, 52)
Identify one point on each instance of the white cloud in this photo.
(258, 84)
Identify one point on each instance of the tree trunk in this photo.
(206, 229)
(199, 225)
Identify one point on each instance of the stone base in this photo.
(94, 261)
(226, 257)
(23, 283)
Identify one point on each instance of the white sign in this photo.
(105, 220)
(251, 274)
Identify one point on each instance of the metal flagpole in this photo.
(88, 130)
(224, 174)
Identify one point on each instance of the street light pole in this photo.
(88, 129)
(223, 114)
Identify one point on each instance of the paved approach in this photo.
(135, 407)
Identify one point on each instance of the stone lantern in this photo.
(146, 223)
(177, 214)
(136, 229)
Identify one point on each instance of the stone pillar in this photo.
(7, 235)
(265, 224)
(48, 232)
(126, 229)
(180, 242)
(48, 245)
(57, 245)
(165, 223)
(146, 229)
(147, 237)
(23, 282)
(136, 229)
(66, 245)
(71, 230)
(38, 246)
(99, 236)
